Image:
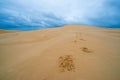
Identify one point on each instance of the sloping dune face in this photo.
(71, 52)
(7, 31)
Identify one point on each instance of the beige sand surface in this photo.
(7, 31)
(71, 52)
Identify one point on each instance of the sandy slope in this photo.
(8, 31)
(68, 53)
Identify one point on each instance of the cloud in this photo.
(109, 16)
(38, 14)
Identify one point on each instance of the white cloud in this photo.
(33, 12)
(63, 8)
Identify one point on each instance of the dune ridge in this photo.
(72, 52)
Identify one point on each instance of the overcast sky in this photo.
(38, 14)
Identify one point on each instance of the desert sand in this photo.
(72, 52)
(8, 31)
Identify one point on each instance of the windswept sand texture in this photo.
(7, 31)
(71, 52)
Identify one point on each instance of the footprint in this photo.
(82, 39)
(78, 36)
(66, 63)
(84, 49)
(75, 41)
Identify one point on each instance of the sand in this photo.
(72, 52)
(8, 31)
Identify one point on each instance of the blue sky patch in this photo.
(39, 14)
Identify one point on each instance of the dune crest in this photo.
(72, 52)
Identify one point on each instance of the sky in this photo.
(39, 14)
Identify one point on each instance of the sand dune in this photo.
(8, 31)
(71, 52)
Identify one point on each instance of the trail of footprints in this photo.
(66, 62)
(78, 37)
